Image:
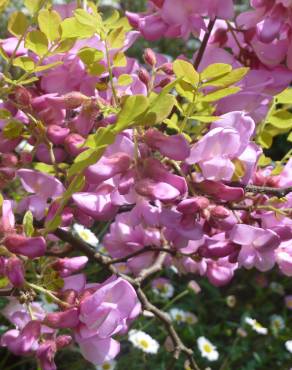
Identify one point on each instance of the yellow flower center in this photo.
(84, 235)
(106, 366)
(207, 348)
(144, 343)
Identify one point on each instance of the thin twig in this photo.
(278, 192)
(204, 43)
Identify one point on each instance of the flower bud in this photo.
(74, 99)
(164, 82)
(144, 76)
(15, 271)
(219, 212)
(57, 134)
(63, 319)
(73, 144)
(194, 286)
(9, 159)
(167, 68)
(26, 157)
(150, 57)
(22, 96)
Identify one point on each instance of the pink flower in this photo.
(22, 342)
(257, 246)
(284, 257)
(30, 247)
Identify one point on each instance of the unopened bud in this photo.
(150, 57)
(74, 99)
(231, 301)
(144, 76)
(194, 286)
(164, 82)
(167, 68)
(9, 159)
(73, 144)
(219, 212)
(57, 134)
(22, 96)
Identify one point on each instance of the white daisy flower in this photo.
(177, 315)
(256, 326)
(288, 345)
(108, 365)
(207, 349)
(163, 288)
(86, 235)
(143, 341)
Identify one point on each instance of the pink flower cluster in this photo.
(159, 189)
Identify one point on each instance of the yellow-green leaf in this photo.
(71, 28)
(281, 119)
(228, 79)
(33, 5)
(49, 22)
(26, 63)
(186, 71)
(28, 224)
(37, 42)
(215, 70)
(219, 94)
(125, 80)
(90, 55)
(119, 60)
(285, 97)
(13, 129)
(116, 38)
(17, 24)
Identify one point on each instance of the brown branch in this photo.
(6, 292)
(204, 43)
(108, 264)
(278, 192)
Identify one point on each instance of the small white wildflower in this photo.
(256, 326)
(288, 345)
(164, 290)
(24, 146)
(86, 235)
(108, 365)
(207, 349)
(143, 341)
(177, 315)
(190, 318)
(277, 323)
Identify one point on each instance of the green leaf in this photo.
(186, 71)
(26, 63)
(215, 70)
(289, 138)
(3, 282)
(116, 38)
(160, 107)
(281, 119)
(185, 90)
(205, 119)
(219, 94)
(53, 224)
(13, 129)
(90, 55)
(96, 69)
(4, 114)
(71, 28)
(28, 224)
(228, 79)
(285, 97)
(1, 201)
(119, 60)
(17, 24)
(33, 5)
(3, 4)
(49, 22)
(264, 161)
(125, 80)
(45, 67)
(113, 18)
(86, 19)
(64, 46)
(37, 42)
(132, 108)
